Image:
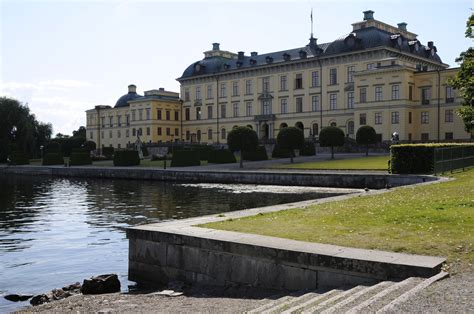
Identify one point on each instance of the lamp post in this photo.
(41, 149)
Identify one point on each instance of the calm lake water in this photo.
(56, 231)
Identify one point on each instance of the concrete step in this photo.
(276, 300)
(313, 296)
(320, 306)
(298, 307)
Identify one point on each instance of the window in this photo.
(363, 119)
(283, 82)
(425, 95)
(235, 88)
(110, 133)
(378, 118)
(410, 92)
(209, 92)
(133, 115)
(235, 109)
(284, 105)
(332, 101)
(119, 134)
(395, 92)
(350, 100)
(119, 120)
(448, 136)
(333, 124)
(176, 115)
(187, 114)
(248, 109)
(448, 115)
(350, 72)
(378, 93)
(315, 103)
(223, 90)
(350, 127)
(158, 114)
(425, 117)
(315, 129)
(209, 134)
(299, 81)
(148, 131)
(168, 132)
(102, 134)
(248, 87)
(198, 92)
(111, 121)
(198, 113)
(409, 117)
(265, 85)
(127, 132)
(223, 111)
(409, 137)
(223, 134)
(299, 104)
(140, 114)
(209, 112)
(266, 107)
(198, 135)
(370, 66)
(449, 94)
(168, 115)
(139, 132)
(127, 117)
(188, 135)
(147, 113)
(91, 135)
(425, 137)
(186, 94)
(314, 78)
(395, 117)
(363, 95)
(333, 76)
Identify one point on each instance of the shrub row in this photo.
(221, 156)
(18, 158)
(279, 152)
(108, 152)
(51, 159)
(259, 154)
(308, 149)
(185, 158)
(80, 157)
(126, 158)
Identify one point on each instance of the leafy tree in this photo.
(81, 132)
(290, 138)
(90, 146)
(365, 136)
(331, 136)
(242, 139)
(464, 79)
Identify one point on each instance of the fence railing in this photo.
(451, 158)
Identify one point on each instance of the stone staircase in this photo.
(379, 298)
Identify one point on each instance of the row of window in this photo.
(395, 117)
(118, 118)
(139, 132)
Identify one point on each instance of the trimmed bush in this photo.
(290, 138)
(308, 149)
(279, 152)
(222, 156)
(125, 158)
(79, 158)
(366, 135)
(52, 147)
(89, 146)
(259, 154)
(18, 158)
(331, 136)
(242, 139)
(50, 159)
(203, 151)
(185, 158)
(108, 152)
(415, 158)
(145, 151)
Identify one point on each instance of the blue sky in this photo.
(64, 57)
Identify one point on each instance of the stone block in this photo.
(329, 280)
(293, 278)
(243, 270)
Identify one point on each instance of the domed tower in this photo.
(131, 95)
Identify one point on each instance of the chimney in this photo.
(132, 89)
(253, 53)
(161, 89)
(215, 46)
(402, 26)
(368, 15)
(430, 44)
(240, 55)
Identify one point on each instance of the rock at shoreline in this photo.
(17, 297)
(75, 287)
(101, 284)
(39, 299)
(59, 294)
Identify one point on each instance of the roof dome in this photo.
(131, 95)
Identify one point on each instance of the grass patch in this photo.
(434, 219)
(360, 163)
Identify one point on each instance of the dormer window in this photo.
(226, 66)
(414, 45)
(303, 54)
(397, 40)
(253, 61)
(239, 64)
(286, 57)
(350, 40)
(269, 59)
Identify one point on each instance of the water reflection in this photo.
(57, 231)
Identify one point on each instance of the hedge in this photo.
(50, 159)
(308, 149)
(79, 158)
(108, 152)
(18, 158)
(279, 152)
(185, 158)
(221, 156)
(259, 154)
(415, 158)
(125, 158)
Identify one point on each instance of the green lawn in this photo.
(360, 163)
(434, 219)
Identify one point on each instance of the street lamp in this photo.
(41, 149)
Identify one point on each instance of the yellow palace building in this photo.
(378, 75)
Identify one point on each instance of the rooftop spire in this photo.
(311, 22)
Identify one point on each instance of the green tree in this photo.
(464, 80)
(290, 138)
(81, 132)
(331, 136)
(242, 139)
(365, 136)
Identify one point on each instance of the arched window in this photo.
(249, 126)
(223, 134)
(315, 129)
(283, 125)
(350, 128)
(333, 124)
(299, 125)
(209, 134)
(198, 136)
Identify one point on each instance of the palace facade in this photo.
(378, 75)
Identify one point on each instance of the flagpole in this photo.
(311, 22)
